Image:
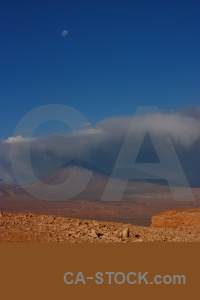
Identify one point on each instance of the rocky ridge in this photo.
(169, 226)
(186, 220)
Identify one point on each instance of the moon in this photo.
(65, 33)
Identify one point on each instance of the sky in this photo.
(103, 59)
(116, 56)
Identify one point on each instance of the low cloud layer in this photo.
(101, 144)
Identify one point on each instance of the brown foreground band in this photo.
(36, 271)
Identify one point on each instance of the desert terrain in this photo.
(141, 199)
(146, 212)
(169, 226)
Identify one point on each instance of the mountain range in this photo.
(140, 201)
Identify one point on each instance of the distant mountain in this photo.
(69, 178)
(78, 180)
(78, 170)
(85, 165)
(74, 174)
(141, 198)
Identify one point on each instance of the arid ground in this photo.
(169, 226)
(147, 212)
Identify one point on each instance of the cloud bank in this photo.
(101, 144)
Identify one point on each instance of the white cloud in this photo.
(100, 145)
(16, 139)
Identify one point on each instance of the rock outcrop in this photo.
(181, 220)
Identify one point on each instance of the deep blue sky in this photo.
(117, 55)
